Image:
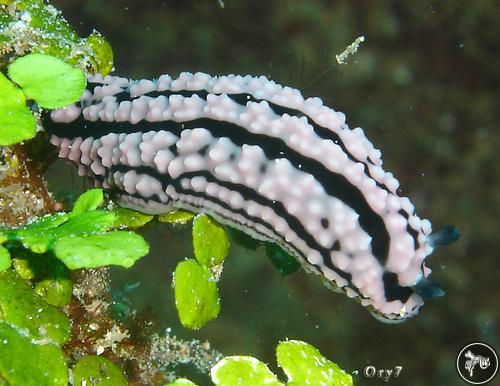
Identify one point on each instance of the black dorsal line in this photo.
(335, 184)
(243, 99)
(249, 195)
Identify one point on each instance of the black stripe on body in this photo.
(242, 99)
(413, 233)
(392, 290)
(335, 184)
(248, 194)
(176, 183)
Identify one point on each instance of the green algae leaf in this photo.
(51, 82)
(210, 241)
(28, 364)
(45, 222)
(23, 267)
(181, 382)
(102, 60)
(5, 260)
(95, 221)
(243, 371)
(16, 121)
(178, 216)
(196, 294)
(28, 313)
(55, 291)
(90, 200)
(128, 218)
(40, 239)
(52, 278)
(284, 263)
(303, 364)
(47, 18)
(97, 370)
(47, 32)
(92, 251)
(10, 94)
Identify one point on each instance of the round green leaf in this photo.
(88, 201)
(128, 218)
(92, 251)
(40, 235)
(97, 370)
(5, 260)
(16, 121)
(210, 241)
(10, 93)
(55, 291)
(179, 216)
(24, 363)
(23, 309)
(243, 371)
(196, 294)
(51, 277)
(23, 268)
(303, 364)
(51, 82)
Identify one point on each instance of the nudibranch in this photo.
(263, 159)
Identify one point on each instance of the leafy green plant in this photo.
(301, 362)
(195, 280)
(83, 238)
(196, 295)
(97, 370)
(87, 237)
(16, 121)
(176, 217)
(32, 333)
(52, 75)
(48, 81)
(32, 326)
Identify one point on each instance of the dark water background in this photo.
(424, 86)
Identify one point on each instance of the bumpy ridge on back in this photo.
(259, 157)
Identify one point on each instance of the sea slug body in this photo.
(261, 158)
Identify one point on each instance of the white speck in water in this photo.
(26, 16)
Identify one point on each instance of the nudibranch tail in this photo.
(261, 158)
